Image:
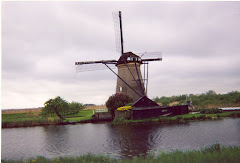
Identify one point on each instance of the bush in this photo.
(129, 104)
(210, 111)
(117, 100)
(205, 100)
(75, 107)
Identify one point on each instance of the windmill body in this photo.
(129, 70)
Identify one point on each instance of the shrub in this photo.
(75, 107)
(210, 111)
(205, 100)
(117, 100)
(129, 104)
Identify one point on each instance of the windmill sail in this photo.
(117, 20)
(150, 56)
(94, 65)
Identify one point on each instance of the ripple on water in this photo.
(118, 141)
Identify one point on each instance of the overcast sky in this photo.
(199, 41)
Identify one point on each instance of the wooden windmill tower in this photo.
(130, 80)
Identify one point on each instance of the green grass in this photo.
(17, 117)
(82, 115)
(214, 153)
(26, 120)
(35, 119)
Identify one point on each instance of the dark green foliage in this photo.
(74, 108)
(210, 111)
(60, 107)
(163, 100)
(117, 100)
(205, 100)
(55, 106)
(129, 104)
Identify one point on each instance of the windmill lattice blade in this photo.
(152, 55)
(117, 31)
(93, 62)
(93, 67)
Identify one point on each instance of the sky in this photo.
(41, 41)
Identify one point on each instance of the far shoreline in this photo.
(179, 119)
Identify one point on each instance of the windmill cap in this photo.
(129, 57)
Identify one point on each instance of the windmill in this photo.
(129, 77)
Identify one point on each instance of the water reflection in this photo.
(56, 140)
(134, 139)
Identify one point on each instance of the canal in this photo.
(117, 141)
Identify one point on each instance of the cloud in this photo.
(41, 41)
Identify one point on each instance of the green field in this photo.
(25, 120)
(35, 119)
(82, 115)
(214, 153)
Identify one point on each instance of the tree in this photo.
(165, 101)
(156, 99)
(205, 100)
(117, 100)
(211, 92)
(56, 105)
(75, 107)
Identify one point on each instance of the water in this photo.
(118, 141)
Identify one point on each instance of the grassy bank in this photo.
(35, 119)
(182, 118)
(213, 153)
(26, 120)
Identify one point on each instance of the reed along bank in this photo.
(213, 153)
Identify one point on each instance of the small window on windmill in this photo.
(120, 89)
